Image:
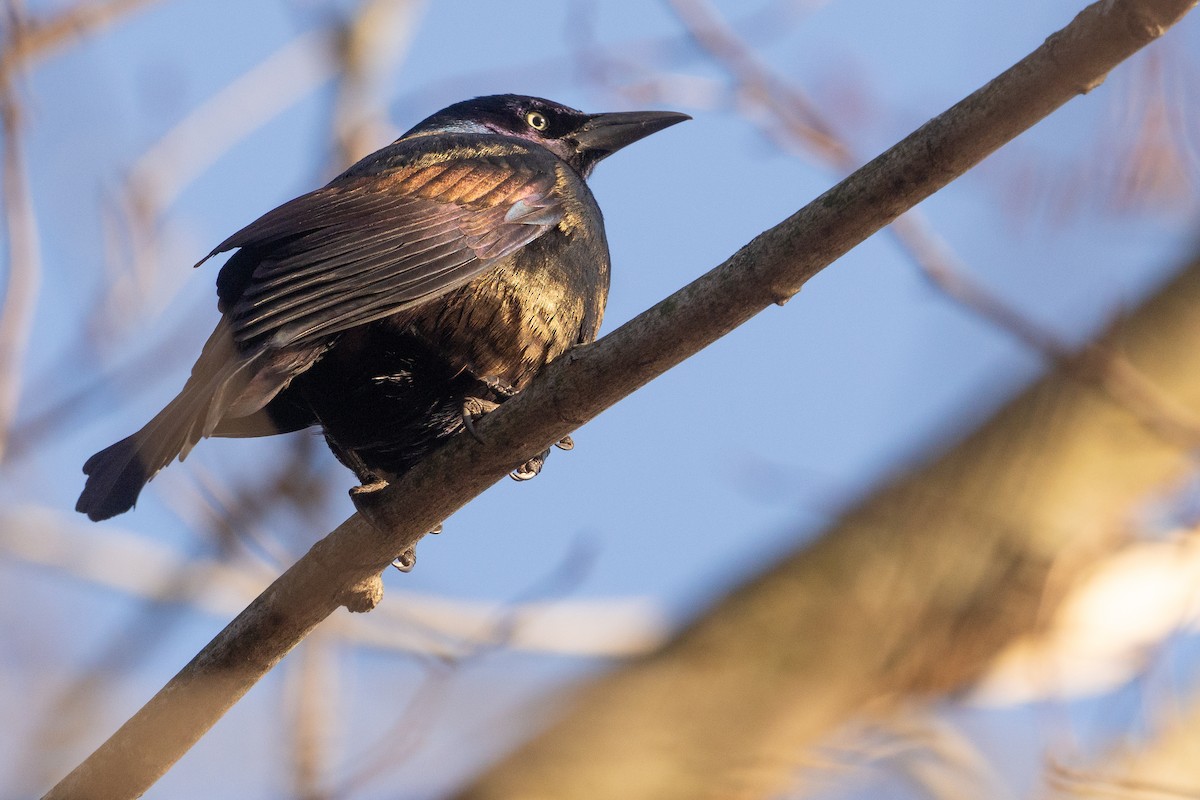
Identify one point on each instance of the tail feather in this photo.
(117, 473)
(223, 385)
(116, 476)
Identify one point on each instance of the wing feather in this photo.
(370, 245)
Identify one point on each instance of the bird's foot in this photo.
(500, 387)
(530, 468)
(473, 408)
(406, 560)
(366, 500)
(365, 497)
(533, 466)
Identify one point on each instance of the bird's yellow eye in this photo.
(537, 120)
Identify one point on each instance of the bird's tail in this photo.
(116, 476)
(117, 473)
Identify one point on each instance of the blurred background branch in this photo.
(911, 595)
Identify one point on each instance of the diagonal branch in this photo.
(37, 37)
(344, 568)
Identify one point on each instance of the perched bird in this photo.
(414, 292)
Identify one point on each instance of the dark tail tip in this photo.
(116, 476)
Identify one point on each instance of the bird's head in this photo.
(580, 139)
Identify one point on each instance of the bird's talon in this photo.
(565, 443)
(406, 560)
(530, 468)
(472, 409)
(524, 473)
(469, 424)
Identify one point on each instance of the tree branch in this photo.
(344, 568)
(35, 37)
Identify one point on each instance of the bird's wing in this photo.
(367, 246)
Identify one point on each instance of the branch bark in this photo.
(344, 567)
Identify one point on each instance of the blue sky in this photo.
(689, 485)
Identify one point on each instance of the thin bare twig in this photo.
(197, 141)
(313, 703)
(1099, 364)
(370, 46)
(800, 119)
(1076, 783)
(24, 251)
(37, 37)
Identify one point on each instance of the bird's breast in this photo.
(525, 312)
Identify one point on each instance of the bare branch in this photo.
(1110, 628)
(371, 43)
(24, 251)
(1099, 364)
(799, 119)
(314, 702)
(33, 38)
(243, 106)
(344, 568)
(414, 623)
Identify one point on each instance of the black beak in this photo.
(604, 134)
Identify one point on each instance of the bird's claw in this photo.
(473, 408)
(406, 560)
(365, 499)
(530, 468)
(533, 466)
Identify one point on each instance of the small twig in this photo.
(370, 45)
(211, 129)
(37, 37)
(24, 251)
(1099, 364)
(802, 121)
(1081, 784)
(313, 700)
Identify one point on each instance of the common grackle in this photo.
(415, 291)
